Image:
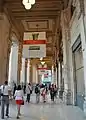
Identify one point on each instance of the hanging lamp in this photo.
(25, 2)
(28, 6)
(32, 2)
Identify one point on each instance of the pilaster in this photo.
(65, 19)
(28, 71)
(83, 8)
(19, 61)
(26, 65)
(60, 80)
(34, 74)
(22, 79)
(4, 40)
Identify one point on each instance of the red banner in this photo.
(42, 68)
(26, 42)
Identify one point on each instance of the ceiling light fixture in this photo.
(42, 63)
(32, 2)
(28, 3)
(28, 6)
(25, 2)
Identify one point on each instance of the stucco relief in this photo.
(65, 20)
(19, 60)
(75, 20)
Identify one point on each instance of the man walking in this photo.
(28, 92)
(5, 93)
(37, 92)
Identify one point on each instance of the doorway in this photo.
(78, 75)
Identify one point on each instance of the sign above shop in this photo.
(34, 45)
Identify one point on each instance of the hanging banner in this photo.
(34, 45)
(47, 76)
(42, 71)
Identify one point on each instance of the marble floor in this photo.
(47, 111)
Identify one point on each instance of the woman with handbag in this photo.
(19, 99)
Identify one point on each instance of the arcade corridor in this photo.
(44, 42)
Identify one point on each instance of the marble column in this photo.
(52, 74)
(55, 76)
(12, 78)
(19, 61)
(26, 65)
(65, 19)
(59, 75)
(28, 71)
(4, 39)
(22, 79)
(34, 74)
(60, 91)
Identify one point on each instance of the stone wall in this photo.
(77, 27)
(4, 38)
(7, 32)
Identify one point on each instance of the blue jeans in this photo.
(4, 101)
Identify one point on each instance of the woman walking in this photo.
(52, 92)
(44, 94)
(19, 99)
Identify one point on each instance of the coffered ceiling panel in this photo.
(38, 25)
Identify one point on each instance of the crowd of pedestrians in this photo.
(19, 92)
(44, 91)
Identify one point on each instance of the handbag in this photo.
(22, 103)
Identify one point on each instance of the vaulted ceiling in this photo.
(43, 16)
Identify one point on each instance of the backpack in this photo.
(36, 90)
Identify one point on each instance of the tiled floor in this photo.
(47, 111)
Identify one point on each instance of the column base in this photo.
(67, 97)
(84, 106)
(60, 93)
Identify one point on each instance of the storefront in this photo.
(79, 87)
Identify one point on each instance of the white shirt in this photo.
(5, 89)
(28, 88)
(18, 94)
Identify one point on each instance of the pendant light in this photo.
(28, 6)
(25, 2)
(32, 2)
(28, 3)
